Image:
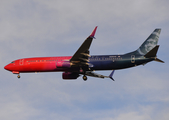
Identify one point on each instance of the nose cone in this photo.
(7, 67)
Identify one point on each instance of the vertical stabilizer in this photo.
(149, 43)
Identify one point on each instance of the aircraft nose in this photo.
(7, 67)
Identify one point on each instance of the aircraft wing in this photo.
(80, 58)
(92, 74)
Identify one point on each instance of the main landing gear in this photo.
(84, 77)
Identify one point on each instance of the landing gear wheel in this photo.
(19, 76)
(84, 78)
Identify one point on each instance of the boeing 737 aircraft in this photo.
(81, 63)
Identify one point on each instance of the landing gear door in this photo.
(133, 59)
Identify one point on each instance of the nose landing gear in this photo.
(84, 77)
(16, 72)
(19, 76)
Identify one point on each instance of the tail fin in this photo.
(149, 43)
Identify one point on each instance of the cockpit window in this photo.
(13, 62)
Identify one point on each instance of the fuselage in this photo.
(96, 62)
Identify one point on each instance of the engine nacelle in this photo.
(70, 75)
(63, 64)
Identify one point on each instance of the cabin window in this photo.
(13, 62)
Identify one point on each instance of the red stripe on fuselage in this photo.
(38, 64)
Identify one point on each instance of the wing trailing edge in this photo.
(93, 74)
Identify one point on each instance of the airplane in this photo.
(82, 63)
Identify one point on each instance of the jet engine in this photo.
(63, 64)
(70, 75)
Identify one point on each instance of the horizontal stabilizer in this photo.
(158, 60)
(152, 53)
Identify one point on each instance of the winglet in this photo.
(111, 75)
(93, 33)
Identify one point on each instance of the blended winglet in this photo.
(111, 75)
(93, 33)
